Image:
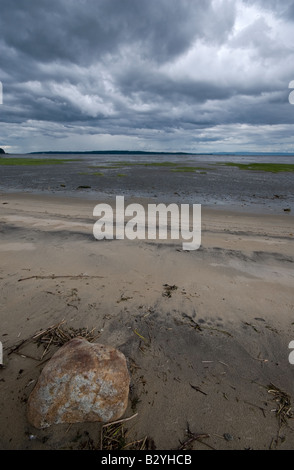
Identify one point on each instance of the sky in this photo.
(150, 75)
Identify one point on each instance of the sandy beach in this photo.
(145, 341)
(205, 332)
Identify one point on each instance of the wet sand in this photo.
(204, 332)
(165, 178)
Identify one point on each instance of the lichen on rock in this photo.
(82, 382)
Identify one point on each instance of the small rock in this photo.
(82, 382)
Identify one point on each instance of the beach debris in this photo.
(58, 335)
(140, 336)
(82, 382)
(284, 409)
(123, 298)
(114, 437)
(287, 209)
(54, 335)
(168, 290)
(228, 437)
(192, 437)
(251, 325)
(198, 389)
(193, 323)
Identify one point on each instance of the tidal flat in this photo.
(248, 183)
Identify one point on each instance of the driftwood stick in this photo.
(53, 276)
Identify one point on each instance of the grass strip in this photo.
(19, 161)
(270, 167)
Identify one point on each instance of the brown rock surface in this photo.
(82, 382)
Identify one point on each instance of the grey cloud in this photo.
(87, 30)
(282, 9)
(137, 67)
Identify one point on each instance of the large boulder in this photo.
(2, 151)
(82, 381)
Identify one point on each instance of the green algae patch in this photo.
(19, 161)
(269, 167)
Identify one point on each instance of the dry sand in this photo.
(201, 358)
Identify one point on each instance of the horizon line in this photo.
(151, 152)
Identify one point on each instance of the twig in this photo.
(53, 276)
(217, 329)
(15, 348)
(120, 421)
(47, 348)
(137, 442)
(48, 329)
(194, 437)
(198, 389)
(26, 355)
(223, 363)
(195, 324)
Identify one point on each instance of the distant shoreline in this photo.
(141, 152)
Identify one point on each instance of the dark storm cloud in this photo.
(82, 32)
(154, 70)
(98, 32)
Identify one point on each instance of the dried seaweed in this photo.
(55, 335)
(283, 400)
(58, 335)
(283, 411)
(114, 436)
(168, 290)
